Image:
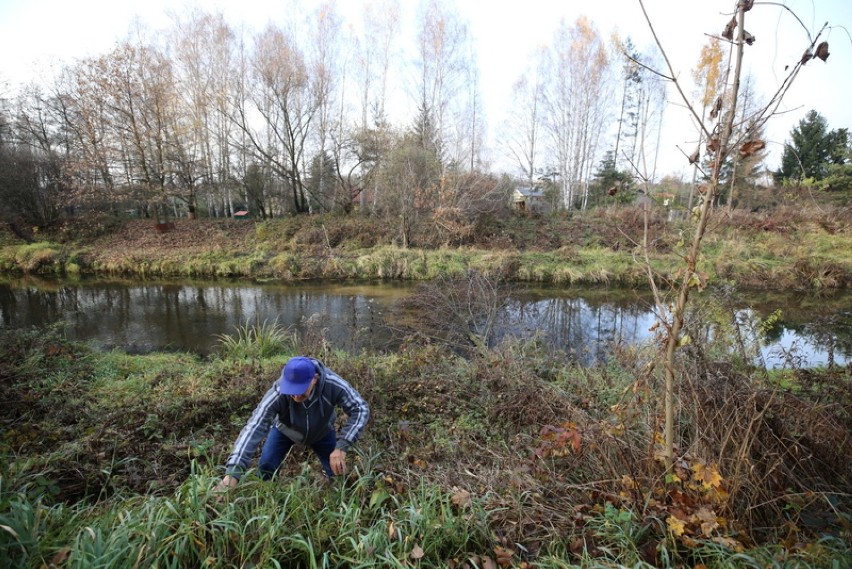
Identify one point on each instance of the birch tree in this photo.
(204, 57)
(375, 48)
(326, 75)
(577, 98)
(522, 129)
(443, 64)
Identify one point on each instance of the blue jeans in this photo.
(278, 445)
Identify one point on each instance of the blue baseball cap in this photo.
(296, 376)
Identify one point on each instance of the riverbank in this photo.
(789, 248)
(510, 458)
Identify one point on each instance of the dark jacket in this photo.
(303, 423)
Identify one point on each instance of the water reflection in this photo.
(584, 327)
(162, 316)
(143, 317)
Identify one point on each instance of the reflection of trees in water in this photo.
(831, 333)
(189, 316)
(146, 317)
(8, 305)
(579, 327)
(826, 317)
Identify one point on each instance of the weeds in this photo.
(511, 456)
(257, 341)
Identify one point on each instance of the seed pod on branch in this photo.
(693, 158)
(717, 107)
(822, 51)
(748, 38)
(728, 32)
(713, 144)
(807, 56)
(745, 5)
(750, 147)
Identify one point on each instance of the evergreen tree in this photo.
(321, 184)
(609, 184)
(812, 150)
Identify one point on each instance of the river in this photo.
(141, 317)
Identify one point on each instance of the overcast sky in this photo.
(36, 33)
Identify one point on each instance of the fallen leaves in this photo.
(61, 557)
(676, 526)
(416, 552)
(461, 498)
(707, 475)
(559, 441)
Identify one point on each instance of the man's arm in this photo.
(251, 435)
(357, 411)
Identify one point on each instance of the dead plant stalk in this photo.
(675, 326)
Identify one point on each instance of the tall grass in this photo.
(298, 521)
(365, 521)
(257, 341)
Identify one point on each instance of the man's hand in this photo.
(226, 484)
(338, 461)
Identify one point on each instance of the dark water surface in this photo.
(188, 316)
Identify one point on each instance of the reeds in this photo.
(257, 341)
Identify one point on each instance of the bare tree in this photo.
(721, 144)
(33, 181)
(326, 77)
(577, 98)
(139, 83)
(444, 61)
(82, 102)
(375, 48)
(646, 119)
(282, 96)
(522, 128)
(461, 311)
(204, 51)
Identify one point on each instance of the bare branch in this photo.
(671, 69)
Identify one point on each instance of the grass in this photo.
(511, 457)
(790, 248)
(258, 341)
(305, 522)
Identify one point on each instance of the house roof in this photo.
(530, 192)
